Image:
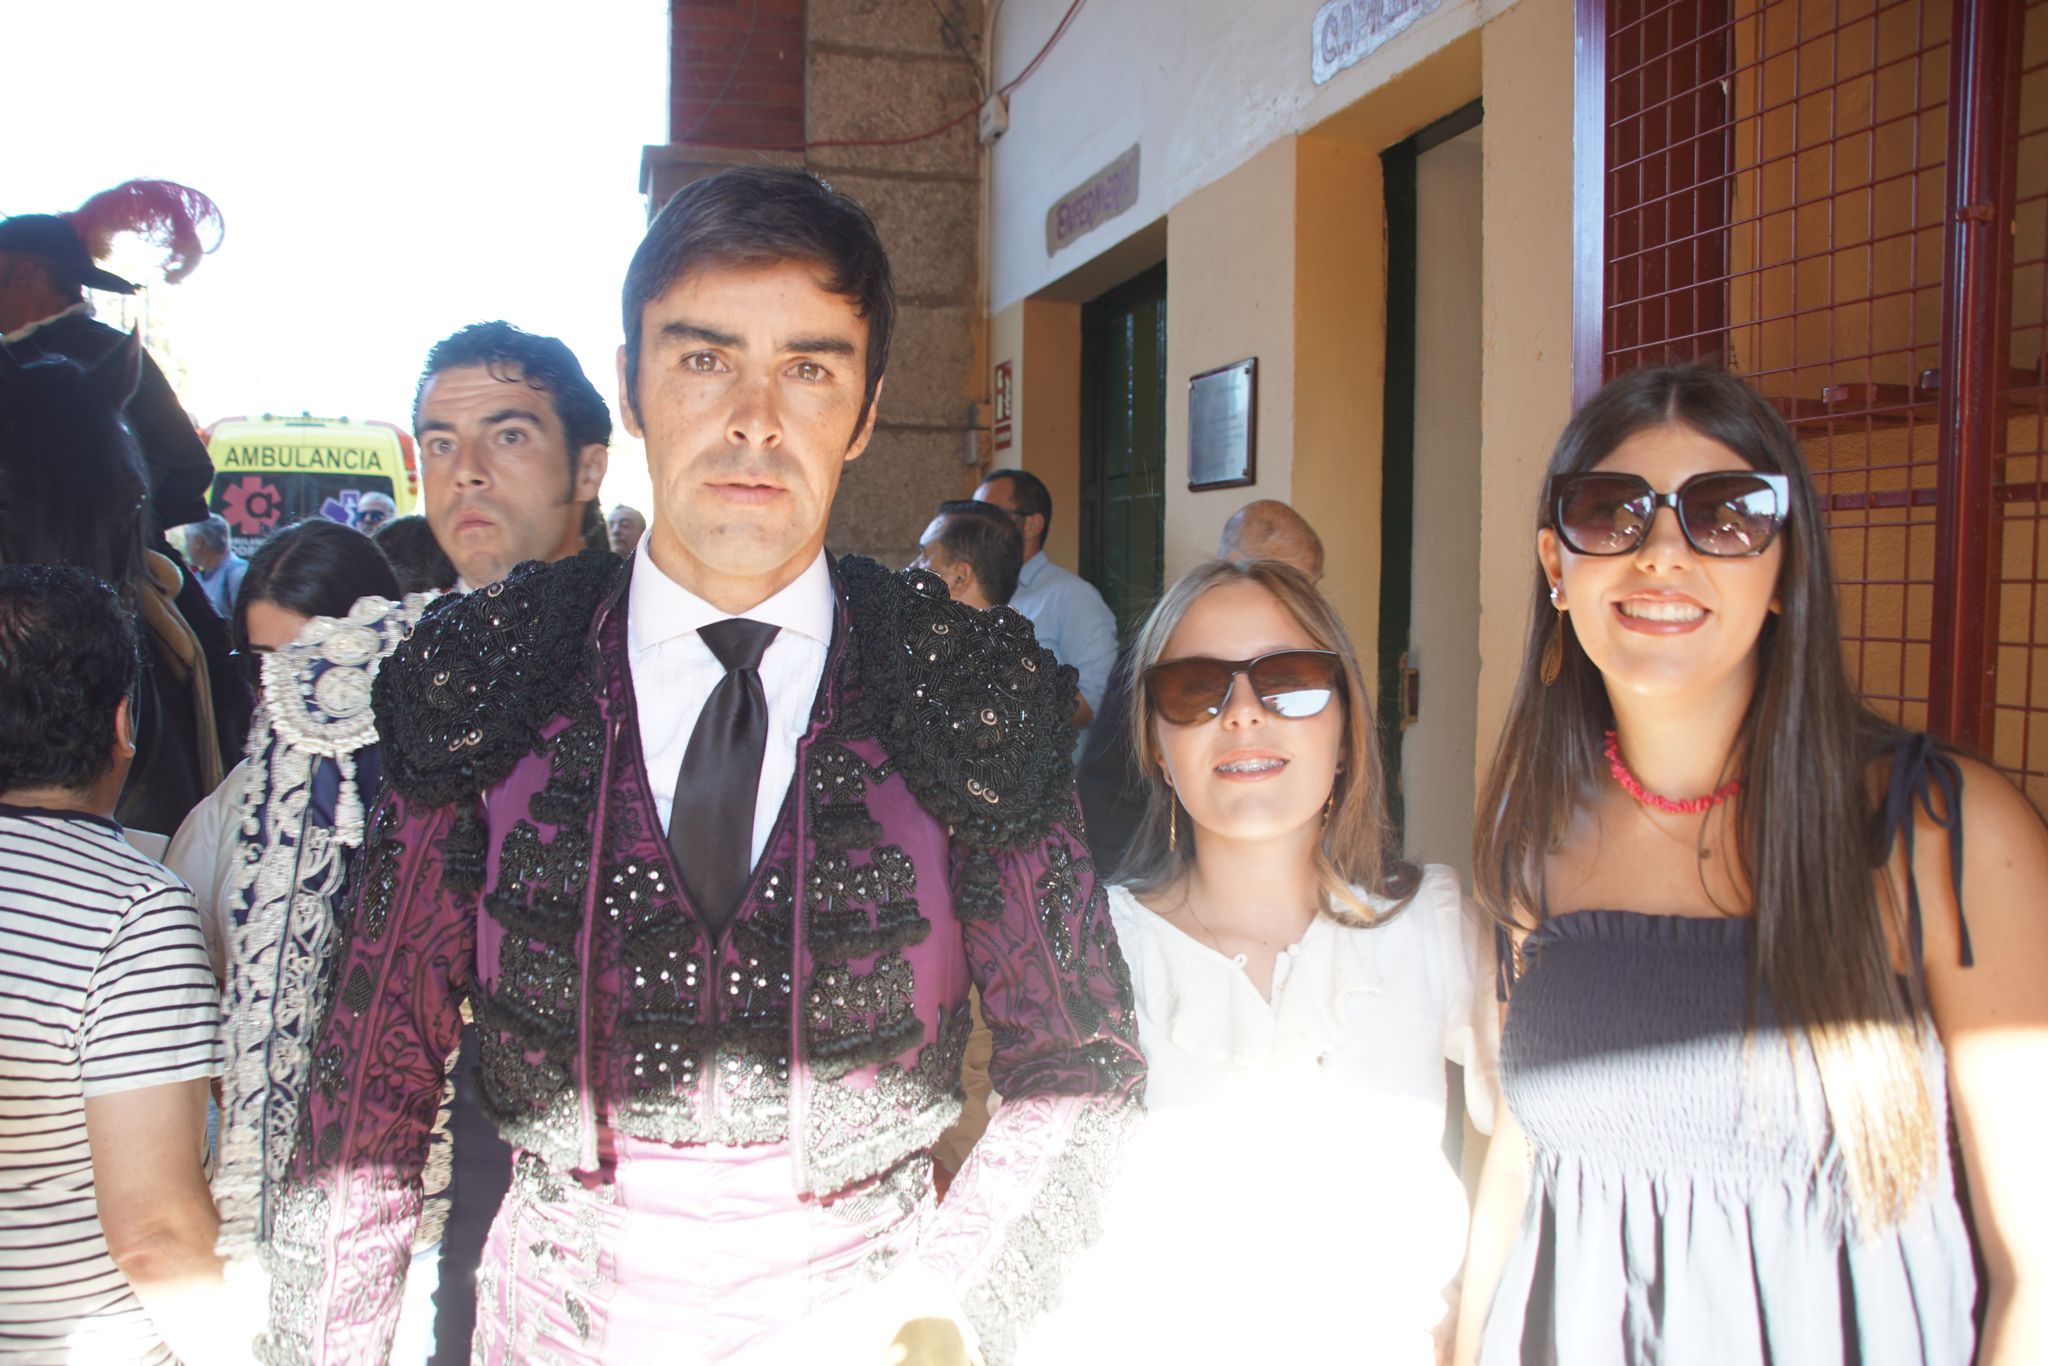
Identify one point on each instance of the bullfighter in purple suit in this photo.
(713, 843)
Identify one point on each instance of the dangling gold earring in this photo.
(1173, 829)
(1329, 806)
(1552, 663)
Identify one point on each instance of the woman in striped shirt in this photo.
(109, 1018)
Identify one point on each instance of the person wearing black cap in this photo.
(47, 262)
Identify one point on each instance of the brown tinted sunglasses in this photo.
(1294, 684)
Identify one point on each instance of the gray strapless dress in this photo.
(1686, 1205)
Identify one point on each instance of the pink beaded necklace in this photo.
(1689, 806)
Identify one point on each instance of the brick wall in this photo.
(736, 72)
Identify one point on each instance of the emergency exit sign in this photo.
(1005, 406)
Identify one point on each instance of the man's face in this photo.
(1003, 494)
(494, 467)
(624, 528)
(750, 386)
(373, 511)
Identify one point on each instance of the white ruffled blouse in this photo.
(1287, 1198)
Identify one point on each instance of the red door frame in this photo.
(1976, 326)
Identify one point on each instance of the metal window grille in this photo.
(2018, 735)
(1784, 191)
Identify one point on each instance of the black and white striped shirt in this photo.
(105, 987)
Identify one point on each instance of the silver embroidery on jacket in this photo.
(316, 706)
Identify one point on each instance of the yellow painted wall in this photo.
(1230, 283)
(1340, 243)
(1201, 86)
(1041, 338)
(1340, 367)
(1283, 257)
(1526, 315)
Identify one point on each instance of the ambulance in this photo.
(272, 471)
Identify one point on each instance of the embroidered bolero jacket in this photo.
(515, 862)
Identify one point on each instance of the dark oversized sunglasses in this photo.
(1290, 683)
(1723, 513)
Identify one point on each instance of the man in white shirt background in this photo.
(1068, 613)
(215, 564)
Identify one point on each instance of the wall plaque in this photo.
(1094, 202)
(1223, 426)
(1345, 32)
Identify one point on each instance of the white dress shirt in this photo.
(674, 672)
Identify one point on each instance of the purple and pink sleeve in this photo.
(344, 1228)
(1057, 998)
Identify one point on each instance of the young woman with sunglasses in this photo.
(1749, 956)
(1298, 991)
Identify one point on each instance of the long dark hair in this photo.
(1357, 848)
(316, 568)
(1806, 836)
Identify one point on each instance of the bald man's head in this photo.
(1268, 529)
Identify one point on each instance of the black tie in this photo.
(711, 823)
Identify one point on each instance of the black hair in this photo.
(542, 363)
(69, 655)
(987, 538)
(416, 557)
(316, 568)
(761, 215)
(592, 529)
(1029, 491)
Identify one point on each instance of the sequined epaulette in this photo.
(463, 698)
(976, 714)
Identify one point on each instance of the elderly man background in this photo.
(215, 564)
(624, 528)
(373, 511)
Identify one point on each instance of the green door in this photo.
(1123, 446)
